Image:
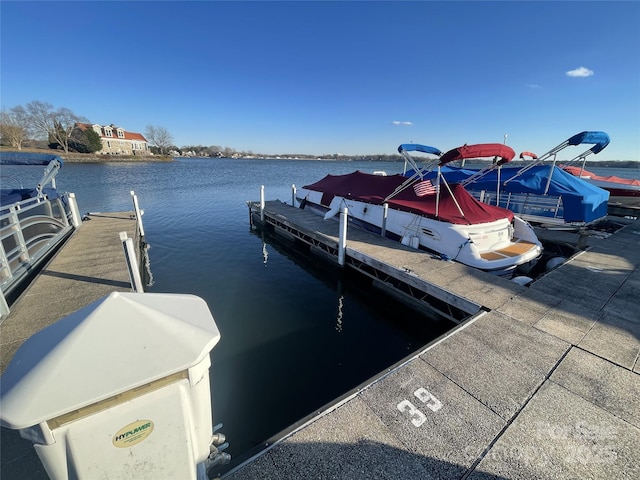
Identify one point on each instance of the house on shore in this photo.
(117, 141)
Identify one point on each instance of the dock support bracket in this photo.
(132, 263)
(385, 211)
(76, 218)
(138, 212)
(342, 240)
(4, 307)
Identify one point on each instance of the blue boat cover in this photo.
(600, 139)
(416, 147)
(27, 158)
(582, 201)
(9, 197)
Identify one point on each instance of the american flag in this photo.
(425, 187)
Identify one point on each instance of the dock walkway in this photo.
(87, 268)
(545, 384)
(390, 262)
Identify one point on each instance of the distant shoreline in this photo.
(85, 158)
(73, 157)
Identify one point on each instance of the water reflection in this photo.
(265, 253)
(340, 305)
(147, 275)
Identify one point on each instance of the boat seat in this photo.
(513, 250)
(9, 197)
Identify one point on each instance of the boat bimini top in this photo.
(599, 140)
(52, 164)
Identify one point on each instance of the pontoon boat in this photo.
(34, 221)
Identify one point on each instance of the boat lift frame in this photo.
(404, 150)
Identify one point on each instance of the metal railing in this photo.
(533, 207)
(30, 230)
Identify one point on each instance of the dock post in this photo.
(262, 203)
(293, 195)
(76, 219)
(132, 263)
(136, 207)
(342, 241)
(385, 211)
(4, 307)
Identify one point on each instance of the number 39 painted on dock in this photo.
(416, 416)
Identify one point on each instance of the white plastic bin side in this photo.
(163, 433)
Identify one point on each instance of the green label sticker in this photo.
(133, 434)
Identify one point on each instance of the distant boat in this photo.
(435, 216)
(616, 186)
(34, 220)
(538, 193)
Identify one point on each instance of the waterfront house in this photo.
(117, 141)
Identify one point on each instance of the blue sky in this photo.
(350, 77)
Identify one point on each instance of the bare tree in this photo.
(56, 126)
(40, 116)
(64, 121)
(14, 126)
(159, 136)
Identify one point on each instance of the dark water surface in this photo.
(296, 333)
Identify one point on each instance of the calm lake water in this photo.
(296, 333)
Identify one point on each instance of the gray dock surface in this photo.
(545, 384)
(88, 267)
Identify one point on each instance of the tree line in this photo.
(38, 123)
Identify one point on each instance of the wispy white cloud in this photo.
(396, 122)
(533, 85)
(580, 72)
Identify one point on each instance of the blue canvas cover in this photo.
(582, 201)
(27, 158)
(16, 195)
(10, 196)
(416, 147)
(599, 139)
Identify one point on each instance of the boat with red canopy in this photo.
(431, 215)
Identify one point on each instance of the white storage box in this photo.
(119, 389)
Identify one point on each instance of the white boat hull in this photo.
(499, 246)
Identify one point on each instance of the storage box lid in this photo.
(118, 343)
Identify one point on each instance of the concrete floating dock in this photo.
(417, 276)
(543, 384)
(88, 267)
